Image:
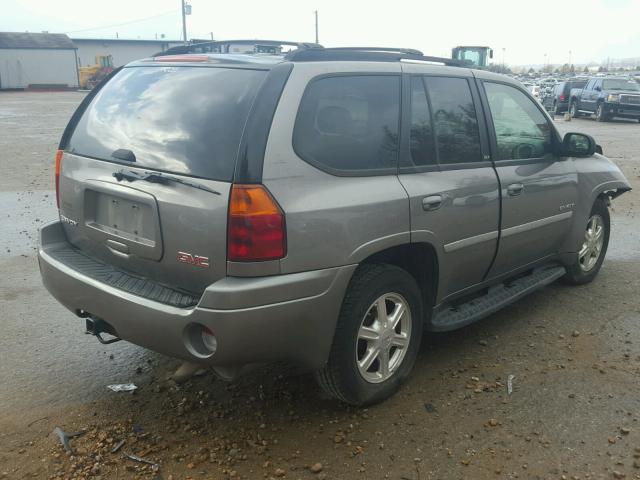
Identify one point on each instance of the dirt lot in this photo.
(574, 354)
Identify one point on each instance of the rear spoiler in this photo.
(217, 46)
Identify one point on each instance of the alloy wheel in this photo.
(383, 338)
(592, 245)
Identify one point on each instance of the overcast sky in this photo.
(591, 29)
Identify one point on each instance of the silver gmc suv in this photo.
(324, 207)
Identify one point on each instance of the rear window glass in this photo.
(350, 123)
(454, 119)
(185, 120)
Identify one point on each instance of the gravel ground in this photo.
(574, 354)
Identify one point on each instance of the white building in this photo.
(122, 51)
(37, 60)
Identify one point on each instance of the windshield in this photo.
(620, 84)
(186, 120)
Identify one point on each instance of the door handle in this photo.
(515, 189)
(432, 202)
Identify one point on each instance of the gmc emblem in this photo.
(196, 260)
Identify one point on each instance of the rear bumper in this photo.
(283, 317)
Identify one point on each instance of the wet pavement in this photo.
(574, 354)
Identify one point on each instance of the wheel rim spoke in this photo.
(382, 309)
(369, 358)
(400, 341)
(383, 359)
(369, 334)
(396, 315)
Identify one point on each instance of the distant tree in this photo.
(497, 68)
(532, 70)
(602, 69)
(586, 69)
(572, 69)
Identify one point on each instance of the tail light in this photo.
(59, 154)
(562, 97)
(256, 228)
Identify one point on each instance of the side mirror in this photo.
(578, 145)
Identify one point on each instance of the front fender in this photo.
(597, 175)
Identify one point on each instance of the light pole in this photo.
(503, 64)
(544, 66)
(569, 58)
(186, 10)
(316, 14)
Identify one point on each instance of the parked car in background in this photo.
(323, 207)
(535, 91)
(558, 101)
(606, 97)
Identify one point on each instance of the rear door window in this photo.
(185, 120)
(349, 124)
(454, 120)
(423, 149)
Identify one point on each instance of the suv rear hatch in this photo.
(146, 174)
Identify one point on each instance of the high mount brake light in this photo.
(256, 230)
(59, 154)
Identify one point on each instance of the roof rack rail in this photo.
(374, 54)
(218, 46)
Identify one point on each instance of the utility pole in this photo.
(184, 22)
(316, 14)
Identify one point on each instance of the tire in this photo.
(587, 267)
(573, 109)
(600, 115)
(342, 377)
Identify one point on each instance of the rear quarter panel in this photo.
(331, 220)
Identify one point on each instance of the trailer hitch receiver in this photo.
(96, 327)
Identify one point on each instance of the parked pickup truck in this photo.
(607, 98)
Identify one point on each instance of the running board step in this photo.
(450, 317)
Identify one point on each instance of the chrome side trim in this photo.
(467, 242)
(536, 224)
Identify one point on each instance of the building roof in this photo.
(127, 40)
(35, 40)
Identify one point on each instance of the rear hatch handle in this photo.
(155, 177)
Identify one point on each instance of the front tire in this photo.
(593, 248)
(600, 115)
(377, 336)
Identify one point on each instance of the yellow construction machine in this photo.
(90, 76)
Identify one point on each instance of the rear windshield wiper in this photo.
(155, 177)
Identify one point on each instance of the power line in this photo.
(125, 23)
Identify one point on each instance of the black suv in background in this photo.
(558, 101)
(607, 97)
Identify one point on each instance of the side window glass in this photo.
(522, 131)
(454, 120)
(349, 123)
(423, 151)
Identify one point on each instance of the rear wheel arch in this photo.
(420, 260)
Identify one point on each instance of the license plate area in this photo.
(126, 215)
